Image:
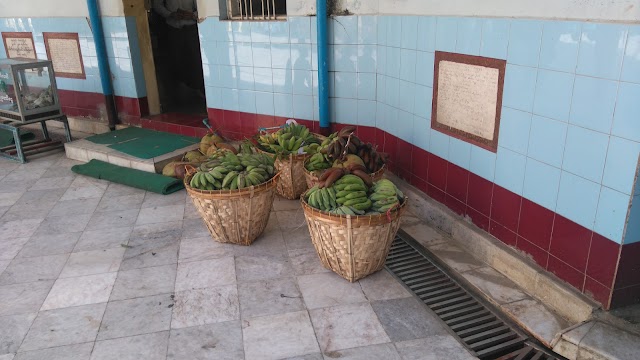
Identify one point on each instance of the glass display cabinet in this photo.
(28, 95)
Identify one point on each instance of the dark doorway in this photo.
(176, 53)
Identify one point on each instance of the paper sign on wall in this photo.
(19, 45)
(63, 49)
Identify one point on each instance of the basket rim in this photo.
(373, 174)
(370, 219)
(251, 189)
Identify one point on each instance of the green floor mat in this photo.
(143, 143)
(6, 137)
(135, 178)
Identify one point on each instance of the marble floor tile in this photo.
(140, 347)
(204, 274)
(33, 269)
(610, 342)
(254, 268)
(282, 204)
(3, 209)
(155, 200)
(194, 228)
(383, 286)
(144, 282)
(421, 232)
(149, 252)
(7, 356)
(13, 330)
(15, 186)
(406, 319)
(221, 341)
(298, 239)
(495, 285)
(19, 228)
(136, 316)
(278, 336)
(167, 230)
(49, 244)
(205, 306)
(435, 347)
(103, 239)
(329, 289)
(291, 219)
(23, 298)
(112, 219)
(115, 190)
(93, 262)
(10, 247)
(159, 214)
(63, 224)
(458, 259)
(313, 356)
(9, 198)
(203, 248)
(269, 297)
(66, 326)
(28, 211)
(82, 290)
(84, 181)
(34, 197)
(190, 211)
(347, 326)
(269, 243)
(22, 174)
(4, 264)
(120, 203)
(74, 207)
(306, 262)
(537, 318)
(67, 352)
(60, 182)
(84, 192)
(372, 352)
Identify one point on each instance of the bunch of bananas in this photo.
(231, 172)
(341, 143)
(317, 161)
(347, 197)
(372, 159)
(323, 199)
(287, 140)
(384, 196)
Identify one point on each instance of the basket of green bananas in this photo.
(353, 222)
(234, 195)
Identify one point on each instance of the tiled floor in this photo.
(95, 270)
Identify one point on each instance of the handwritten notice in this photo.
(19, 45)
(468, 97)
(63, 50)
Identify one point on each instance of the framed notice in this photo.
(19, 45)
(467, 97)
(63, 49)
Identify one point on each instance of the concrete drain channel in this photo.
(476, 324)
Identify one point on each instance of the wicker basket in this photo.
(235, 216)
(313, 177)
(352, 246)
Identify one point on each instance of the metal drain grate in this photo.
(474, 323)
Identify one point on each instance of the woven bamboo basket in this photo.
(352, 246)
(235, 216)
(313, 177)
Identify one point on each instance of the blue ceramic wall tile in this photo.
(631, 62)
(446, 34)
(261, 55)
(314, 30)
(469, 36)
(264, 103)
(524, 42)
(404, 126)
(214, 97)
(426, 34)
(314, 79)
(483, 163)
(263, 78)
(510, 168)
(343, 30)
(391, 121)
(282, 81)
(366, 86)
(585, 152)
(228, 77)
(230, 99)
(409, 32)
(394, 31)
(421, 133)
(241, 31)
(381, 88)
(244, 55)
(460, 153)
(279, 32)
(393, 62)
(367, 30)
(439, 144)
(345, 57)
(332, 83)
(281, 56)
(381, 61)
(382, 30)
(559, 49)
(211, 75)
(625, 121)
(226, 54)
(302, 83)
(367, 58)
(247, 101)
(424, 68)
(578, 199)
(553, 94)
(300, 29)
(346, 84)
(519, 87)
(408, 65)
(366, 112)
(346, 111)
(220, 30)
(301, 56)
(514, 130)
(260, 32)
(283, 105)
(621, 164)
(381, 114)
(206, 29)
(495, 38)
(422, 101)
(593, 103)
(601, 50)
(541, 183)
(611, 214)
(245, 78)
(632, 234)
(303, 107)
(546, 140)
(393, 91)
(406, 94)
(316, 108)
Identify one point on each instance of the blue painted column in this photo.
(103, 62)
(323, 66)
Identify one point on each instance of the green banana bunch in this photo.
(385, 196)
(317, 161)
(231, 172)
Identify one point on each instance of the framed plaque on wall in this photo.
(19, 45)
(63, 49)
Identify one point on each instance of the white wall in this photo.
(57, 8)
